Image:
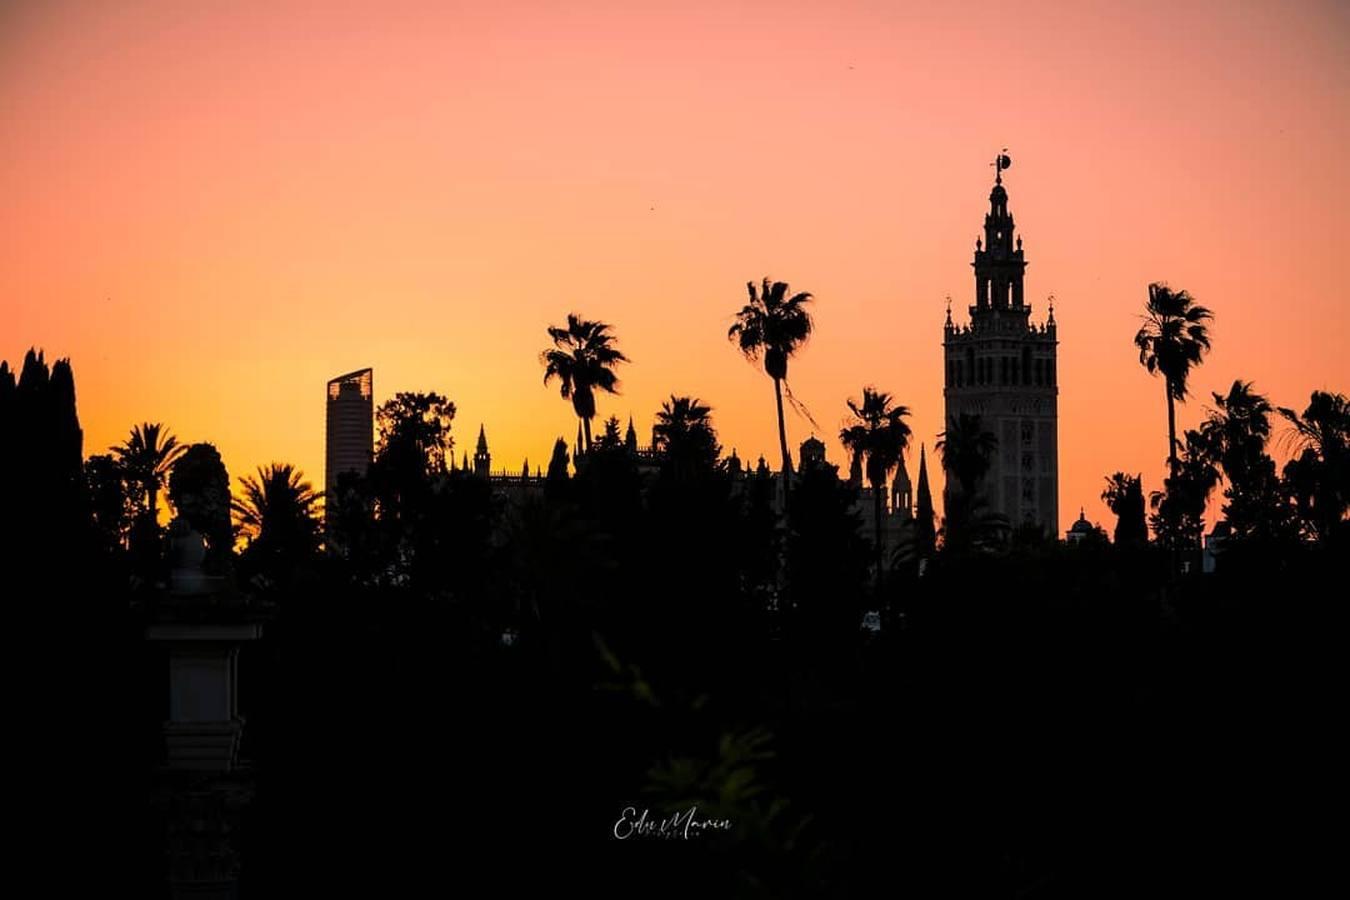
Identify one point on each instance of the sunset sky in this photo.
(214, 208)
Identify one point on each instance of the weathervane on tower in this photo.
(1001, 162)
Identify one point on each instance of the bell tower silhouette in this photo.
(999, 265)
(1001, 367)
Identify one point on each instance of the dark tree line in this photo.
(670, 627)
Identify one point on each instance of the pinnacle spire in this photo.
(923, 489)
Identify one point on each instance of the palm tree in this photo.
(1319, 476)
(582, 358)
(967, 449)
(146, 457)
(1124, 496)
(1237, 431)
(1179, 509)
(880, 434)
(276, 510)
(775, 325)
(684, 431)
(1172, 340)
(1240, 422)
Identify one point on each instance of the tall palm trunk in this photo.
(876, 506)
(586, 428)
(782, 431)
(1174, 552)
(1171, 431)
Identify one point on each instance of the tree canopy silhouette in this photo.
(1319, 476)
(967, 449)
(879, 434)
(110, 505)
(684, 433)
(773, 325)
(147, 456)
(582, 358)
(1173, 340)
(1236, 433)
(414, 431)
(1179, 509)
(1124, 496)
(277, 514)
(42, 490)
(199, 490)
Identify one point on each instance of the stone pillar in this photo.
(199, 624)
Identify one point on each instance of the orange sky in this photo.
(213, 210)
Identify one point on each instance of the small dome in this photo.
(1082, 526)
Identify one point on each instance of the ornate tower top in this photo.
(999, 264)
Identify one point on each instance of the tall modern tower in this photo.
(1001, 366)
(351, 426)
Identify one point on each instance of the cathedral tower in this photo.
(1001, 367)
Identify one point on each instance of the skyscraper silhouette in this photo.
(350, 427)
(1001, 367)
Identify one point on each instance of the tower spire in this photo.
(482, 460)
(925, 531)
(902, 492)
(924, 493)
